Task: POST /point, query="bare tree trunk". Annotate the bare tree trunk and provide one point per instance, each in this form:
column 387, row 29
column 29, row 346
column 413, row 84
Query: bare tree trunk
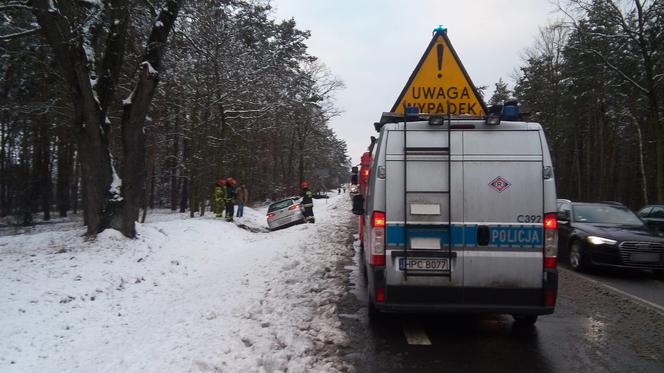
column 660, row 161
column 642, row 165
column 3, row 175
column 149, row 182
column 93, row 144
column 64, row 180
column 133, row 120
column 174, row 169
column 577, row 167
column 300, row 174
column 601, row 156
column 44, row 171
column 75, row 182
column 184, row 194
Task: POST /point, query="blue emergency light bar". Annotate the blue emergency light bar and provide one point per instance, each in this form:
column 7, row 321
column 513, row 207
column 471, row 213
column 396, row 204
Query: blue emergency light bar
column 440, row 28
column 510, row 110
column 411, row 111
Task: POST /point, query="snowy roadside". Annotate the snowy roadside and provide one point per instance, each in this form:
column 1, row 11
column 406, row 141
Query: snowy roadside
column 187, row 295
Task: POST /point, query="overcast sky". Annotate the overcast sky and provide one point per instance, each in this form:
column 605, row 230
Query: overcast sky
column 374, row 45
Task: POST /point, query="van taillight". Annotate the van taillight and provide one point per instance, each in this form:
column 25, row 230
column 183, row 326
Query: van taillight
column 550, row 221
column 550, row 240
column 377, row 238
column 378, row 219
column 550, row 262
column 378, row 259
column 380, row 295
column 550, row 298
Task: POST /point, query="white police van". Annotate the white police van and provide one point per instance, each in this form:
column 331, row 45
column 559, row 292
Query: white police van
column 460, row 217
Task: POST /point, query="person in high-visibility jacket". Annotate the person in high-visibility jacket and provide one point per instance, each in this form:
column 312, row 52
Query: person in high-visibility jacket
column 307, row 202
column 219, row 198
column 230, row 198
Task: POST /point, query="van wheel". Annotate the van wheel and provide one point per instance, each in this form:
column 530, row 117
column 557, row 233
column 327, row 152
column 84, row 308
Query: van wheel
column 659, row 273
column 525, row 320
column 363, row 266
column 374, row 315
column 576, row 258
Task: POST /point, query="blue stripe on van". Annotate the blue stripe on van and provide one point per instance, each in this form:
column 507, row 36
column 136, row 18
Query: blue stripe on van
column 508, row 235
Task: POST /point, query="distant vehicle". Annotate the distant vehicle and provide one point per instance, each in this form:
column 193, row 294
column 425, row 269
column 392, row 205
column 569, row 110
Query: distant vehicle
column 284, row 213
column 607, row 234
column 320, row 196
column 653, row 215
column 354, row 189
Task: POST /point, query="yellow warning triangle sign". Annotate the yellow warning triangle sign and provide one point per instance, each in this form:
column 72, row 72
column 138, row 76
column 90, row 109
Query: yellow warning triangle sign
column 440, row 84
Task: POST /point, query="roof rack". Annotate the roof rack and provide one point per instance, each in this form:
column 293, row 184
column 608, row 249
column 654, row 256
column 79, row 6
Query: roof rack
column 389, row 117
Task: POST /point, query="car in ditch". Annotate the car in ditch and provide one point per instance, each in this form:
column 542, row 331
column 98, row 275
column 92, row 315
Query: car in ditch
column 607, row 234
column 285, row 213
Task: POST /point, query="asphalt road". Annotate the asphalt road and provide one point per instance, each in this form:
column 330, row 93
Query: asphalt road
column 642, row 284
column 594, row 329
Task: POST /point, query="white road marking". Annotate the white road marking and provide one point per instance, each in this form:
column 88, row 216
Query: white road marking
column 659, row 309
column 415, row 335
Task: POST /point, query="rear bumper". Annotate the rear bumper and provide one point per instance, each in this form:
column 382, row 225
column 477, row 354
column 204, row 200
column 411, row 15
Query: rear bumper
column 464, row 309
column 464, row 300
column 471, row 300
column 284, row 222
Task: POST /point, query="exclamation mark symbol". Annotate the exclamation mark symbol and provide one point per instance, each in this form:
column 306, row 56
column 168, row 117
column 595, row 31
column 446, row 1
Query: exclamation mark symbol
column 440, row 60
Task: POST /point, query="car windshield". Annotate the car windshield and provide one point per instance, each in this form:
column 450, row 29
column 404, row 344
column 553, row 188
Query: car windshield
column 280, row 205
column 604, row 214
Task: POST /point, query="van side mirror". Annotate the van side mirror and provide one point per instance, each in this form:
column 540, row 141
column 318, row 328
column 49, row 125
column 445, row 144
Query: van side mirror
column 358, row 204
column 354, row 176
column 562, row 215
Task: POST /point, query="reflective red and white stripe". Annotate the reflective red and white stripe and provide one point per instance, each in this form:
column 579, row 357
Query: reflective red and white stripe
column 377, row 239
column 550, row 240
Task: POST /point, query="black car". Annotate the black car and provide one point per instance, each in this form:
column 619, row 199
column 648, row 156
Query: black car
column 607, row 234
column 653, row 215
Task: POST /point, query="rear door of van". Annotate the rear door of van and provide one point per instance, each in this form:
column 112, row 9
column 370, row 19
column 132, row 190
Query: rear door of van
column 426, row 203
column 503, row 206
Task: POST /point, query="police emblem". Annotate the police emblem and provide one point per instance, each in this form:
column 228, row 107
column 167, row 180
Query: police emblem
column 499, row 184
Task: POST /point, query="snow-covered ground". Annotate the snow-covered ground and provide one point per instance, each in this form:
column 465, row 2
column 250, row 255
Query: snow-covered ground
column 189, row 294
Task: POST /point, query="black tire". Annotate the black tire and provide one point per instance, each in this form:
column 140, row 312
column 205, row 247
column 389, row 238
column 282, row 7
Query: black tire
column 363, row 265
column 375, row 316
column 577, row 259
column 659, row 273
column 525, row 320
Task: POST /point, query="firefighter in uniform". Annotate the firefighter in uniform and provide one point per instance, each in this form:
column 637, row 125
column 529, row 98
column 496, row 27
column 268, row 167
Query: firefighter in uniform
column 230, row 198
column 219, row 198
column 307, row 202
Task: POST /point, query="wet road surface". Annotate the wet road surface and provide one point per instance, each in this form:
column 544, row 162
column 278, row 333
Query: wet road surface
column 592, row 330
column 643, row 284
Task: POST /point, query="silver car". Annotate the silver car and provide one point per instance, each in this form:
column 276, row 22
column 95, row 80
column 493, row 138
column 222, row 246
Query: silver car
column 284, row 213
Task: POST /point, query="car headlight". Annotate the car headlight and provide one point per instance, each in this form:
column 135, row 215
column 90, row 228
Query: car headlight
column 601, row 241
